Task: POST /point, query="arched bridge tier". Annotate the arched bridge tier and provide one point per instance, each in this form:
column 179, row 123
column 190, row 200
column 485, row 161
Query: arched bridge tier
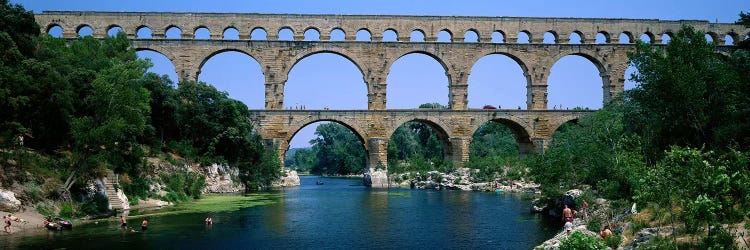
column 375, row 56
column 532, row 129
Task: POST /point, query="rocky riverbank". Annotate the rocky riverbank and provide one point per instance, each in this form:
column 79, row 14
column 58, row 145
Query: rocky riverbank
column 461, row 179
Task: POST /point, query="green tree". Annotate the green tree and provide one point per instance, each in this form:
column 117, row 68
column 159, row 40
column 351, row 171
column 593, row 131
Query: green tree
column 685, row 96
column 597, row 151
column 109, row 136
column 338, row 151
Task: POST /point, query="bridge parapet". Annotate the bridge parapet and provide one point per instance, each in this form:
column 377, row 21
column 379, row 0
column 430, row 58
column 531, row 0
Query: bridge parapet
column 403, row 25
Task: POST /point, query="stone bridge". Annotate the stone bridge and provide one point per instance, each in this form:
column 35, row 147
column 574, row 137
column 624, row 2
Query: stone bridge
column 374, row 42
column 532, row 129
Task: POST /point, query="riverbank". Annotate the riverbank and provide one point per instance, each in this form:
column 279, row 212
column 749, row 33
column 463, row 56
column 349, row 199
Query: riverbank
column 32, row 221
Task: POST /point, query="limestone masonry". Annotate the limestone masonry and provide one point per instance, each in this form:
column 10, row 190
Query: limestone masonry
column 258, row 38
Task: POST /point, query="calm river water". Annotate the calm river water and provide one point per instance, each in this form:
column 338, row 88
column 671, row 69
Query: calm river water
column 342, row 214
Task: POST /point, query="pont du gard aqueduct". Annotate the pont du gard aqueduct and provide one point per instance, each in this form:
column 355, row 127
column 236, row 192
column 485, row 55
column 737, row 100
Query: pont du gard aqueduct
column 603, row 41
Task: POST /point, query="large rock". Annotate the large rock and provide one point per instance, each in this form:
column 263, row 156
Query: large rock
column 376, row 179
column 554, row 242
column 220, row 179
column 8, row 201
column 290, row 179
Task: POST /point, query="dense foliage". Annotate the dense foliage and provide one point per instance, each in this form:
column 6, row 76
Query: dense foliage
column 494, row 151
column 677, row 143
column 90, row 103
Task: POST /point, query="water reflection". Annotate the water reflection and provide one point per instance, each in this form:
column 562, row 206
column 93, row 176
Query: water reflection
column 339, row 214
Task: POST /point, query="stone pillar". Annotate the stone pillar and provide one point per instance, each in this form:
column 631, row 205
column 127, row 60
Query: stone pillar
column 536, row 38
column 271, row 35
column 485, row 39
column 216, row 36
column 511, row 38
column 101, row 35
column 158, row 35
column 431, row 39
column 187, row 35
column 458, row 96
column 376, row 37
column 459, row 150
column 541, row 144
column 526, row 148
column 352, row 37
column 376, row 89
column 536, row 92
column 376, row 174
column 186, row 71
column 275, row 89
column 299, row 37
column 326, row 37
column 458, row 89
column 244, row 36
column 70, row 33
column 614, row 79
column 276, row 144
column 376, row 96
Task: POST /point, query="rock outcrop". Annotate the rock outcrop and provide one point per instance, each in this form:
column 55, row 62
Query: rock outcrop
column 8, row 201
column 461, row 179
column 222, row 179
column 288, row 179
column 554, row 242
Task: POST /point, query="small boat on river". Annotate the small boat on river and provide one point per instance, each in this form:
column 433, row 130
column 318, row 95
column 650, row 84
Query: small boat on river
column 319, row 182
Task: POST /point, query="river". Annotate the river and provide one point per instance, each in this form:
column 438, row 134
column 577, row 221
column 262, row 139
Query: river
column 341, row 214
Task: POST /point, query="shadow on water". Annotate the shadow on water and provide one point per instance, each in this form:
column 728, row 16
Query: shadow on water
column 339, row 214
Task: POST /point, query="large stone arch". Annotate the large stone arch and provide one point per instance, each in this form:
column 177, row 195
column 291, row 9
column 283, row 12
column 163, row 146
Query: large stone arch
column 165, row 52
column 512, row 56
column 444, row 135
column 294, row 129
column 437, row 58
column 605, row 71
column 520, row 130
column 313, row 51
column 204, row 58
column 555, row 124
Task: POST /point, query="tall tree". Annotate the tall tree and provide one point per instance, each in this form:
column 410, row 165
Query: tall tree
column 685, row 92
column 338, row 151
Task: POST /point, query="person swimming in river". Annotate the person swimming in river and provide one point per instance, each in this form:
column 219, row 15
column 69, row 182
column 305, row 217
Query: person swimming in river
column 144, row 224
column 209, row 220
column 124, row 223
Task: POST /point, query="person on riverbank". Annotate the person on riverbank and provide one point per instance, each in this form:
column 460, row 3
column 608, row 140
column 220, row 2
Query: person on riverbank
column 568, row 227
column 567, row 214
column 144, row 225
column 123, row 222
column 584, row 209
column 7, row 224
column 605, row 232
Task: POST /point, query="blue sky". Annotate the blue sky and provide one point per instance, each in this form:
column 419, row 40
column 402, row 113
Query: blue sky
column 413, row 79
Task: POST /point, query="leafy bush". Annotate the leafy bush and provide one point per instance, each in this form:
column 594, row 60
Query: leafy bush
column 718, row 239
column 578, row 240
column 613, row 241
column 595, row 224
column 67, row 210
column 138, row 188
column 95, row 205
